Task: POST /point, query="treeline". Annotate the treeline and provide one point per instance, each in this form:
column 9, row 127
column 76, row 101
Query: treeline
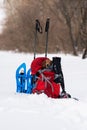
column 68, row 25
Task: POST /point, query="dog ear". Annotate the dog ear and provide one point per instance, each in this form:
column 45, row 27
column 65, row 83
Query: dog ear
column 44, row 64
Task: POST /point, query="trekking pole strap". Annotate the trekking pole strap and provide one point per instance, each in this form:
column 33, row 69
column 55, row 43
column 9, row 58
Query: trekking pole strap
column 38, row 26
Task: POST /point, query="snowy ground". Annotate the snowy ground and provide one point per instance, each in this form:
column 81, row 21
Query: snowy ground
column 38, row 112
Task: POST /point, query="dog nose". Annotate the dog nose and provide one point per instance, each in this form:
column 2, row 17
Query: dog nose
column 47, row 65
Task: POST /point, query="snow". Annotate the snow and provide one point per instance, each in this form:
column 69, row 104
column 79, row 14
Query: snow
column 38, row 112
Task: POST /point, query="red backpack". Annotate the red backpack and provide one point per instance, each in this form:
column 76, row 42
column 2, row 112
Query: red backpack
column 45, row 80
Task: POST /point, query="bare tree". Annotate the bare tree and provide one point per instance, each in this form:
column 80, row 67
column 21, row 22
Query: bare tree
column 67, row 11
column 20, row 25
column 73, row 16
column 83, row 26
column 68, row 24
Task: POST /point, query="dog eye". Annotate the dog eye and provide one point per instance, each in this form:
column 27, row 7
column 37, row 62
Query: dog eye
column 47, row 65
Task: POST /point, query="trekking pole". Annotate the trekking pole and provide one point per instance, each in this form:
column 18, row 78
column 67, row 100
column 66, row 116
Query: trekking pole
column 46, row 30
column 38, row 28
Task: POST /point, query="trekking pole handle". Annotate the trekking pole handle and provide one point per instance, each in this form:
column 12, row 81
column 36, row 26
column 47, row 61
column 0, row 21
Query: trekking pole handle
column 46, row 30
column 37, row 24
column 47, row 25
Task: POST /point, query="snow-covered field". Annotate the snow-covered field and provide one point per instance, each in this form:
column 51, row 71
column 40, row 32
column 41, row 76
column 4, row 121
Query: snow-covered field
column 38, row 112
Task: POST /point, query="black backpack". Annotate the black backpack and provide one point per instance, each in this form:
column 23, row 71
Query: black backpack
column 59, row 78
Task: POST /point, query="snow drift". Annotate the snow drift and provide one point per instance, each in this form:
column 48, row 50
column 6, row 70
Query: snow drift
column 38, row 112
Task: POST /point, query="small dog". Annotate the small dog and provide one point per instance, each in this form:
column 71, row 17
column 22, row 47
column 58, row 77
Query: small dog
column 47, row 63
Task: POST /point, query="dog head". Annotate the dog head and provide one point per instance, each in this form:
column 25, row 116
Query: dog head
column 47, row 63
